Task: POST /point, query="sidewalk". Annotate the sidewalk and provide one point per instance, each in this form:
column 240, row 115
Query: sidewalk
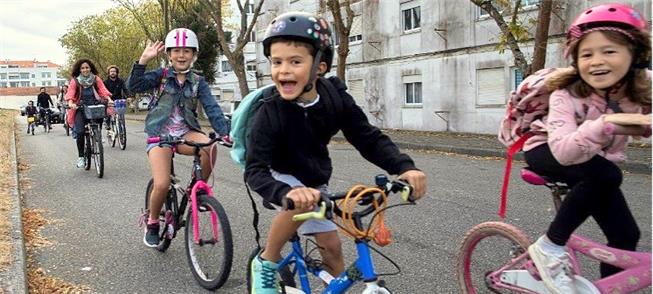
column 639, row 154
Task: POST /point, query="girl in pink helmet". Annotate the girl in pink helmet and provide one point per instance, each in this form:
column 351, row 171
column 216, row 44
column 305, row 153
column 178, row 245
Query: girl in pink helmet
column 586, row 132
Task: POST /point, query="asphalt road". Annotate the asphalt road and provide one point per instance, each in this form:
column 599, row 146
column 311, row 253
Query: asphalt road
column 98, row 242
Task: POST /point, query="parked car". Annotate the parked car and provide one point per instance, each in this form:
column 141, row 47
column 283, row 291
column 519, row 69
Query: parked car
column 143, row 103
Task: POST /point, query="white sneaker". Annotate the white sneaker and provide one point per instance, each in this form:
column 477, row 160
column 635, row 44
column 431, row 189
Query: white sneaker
column 554, row 269
column 81, row 162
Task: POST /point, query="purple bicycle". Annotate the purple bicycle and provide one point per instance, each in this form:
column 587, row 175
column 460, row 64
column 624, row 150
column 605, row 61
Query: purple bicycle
column 209, row 246
column 493, row 256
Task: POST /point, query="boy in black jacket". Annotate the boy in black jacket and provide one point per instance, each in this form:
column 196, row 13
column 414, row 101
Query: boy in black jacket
column 287, row 148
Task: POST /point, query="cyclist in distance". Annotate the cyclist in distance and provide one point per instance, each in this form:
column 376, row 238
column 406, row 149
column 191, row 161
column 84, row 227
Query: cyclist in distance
column 116, row 86
column 610, row 49
column 87, row 88
column 293, row 161
column 173, row 113
column 43, row 102
column 30, row 111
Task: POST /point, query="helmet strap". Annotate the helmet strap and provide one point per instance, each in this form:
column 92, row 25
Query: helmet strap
column 313, row 77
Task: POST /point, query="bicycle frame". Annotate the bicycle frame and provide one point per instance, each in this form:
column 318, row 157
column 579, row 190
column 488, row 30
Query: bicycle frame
column 361, row 269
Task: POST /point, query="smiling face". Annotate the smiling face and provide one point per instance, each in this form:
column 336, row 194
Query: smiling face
column 181, row 58
column 602, row 62
column 85, row 69
column 291, row 69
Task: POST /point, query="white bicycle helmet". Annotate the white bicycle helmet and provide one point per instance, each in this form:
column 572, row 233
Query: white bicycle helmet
column 182, row 38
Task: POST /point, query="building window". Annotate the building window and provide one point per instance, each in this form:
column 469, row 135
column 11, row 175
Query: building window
column 356, row 32
column 13, row 84
column 3, row 76
column 525, row 5
column 251, row 67
column 33, row 76
column 14, row 76
column 252, row 36
column 411, row 18
column 413, row 93
column 249, row 8
column 13, row 66
column 517, row 76
column 226, row 67
column 3, row 84
column 334, row 33
column 24, row 75
column 42, row 66
column 24, row 84
column 490, row 87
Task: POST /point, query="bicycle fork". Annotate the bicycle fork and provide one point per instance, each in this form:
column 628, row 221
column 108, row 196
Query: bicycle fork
column 201, row 185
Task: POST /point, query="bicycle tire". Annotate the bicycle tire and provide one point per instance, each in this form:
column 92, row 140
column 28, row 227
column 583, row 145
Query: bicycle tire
column 98, row 151
column 115, row 132
column 87, row 150
column 221, row 265
column 285, row 274
column 122, row 131
column 164, row 242
column 518, row 240
column 33, row 127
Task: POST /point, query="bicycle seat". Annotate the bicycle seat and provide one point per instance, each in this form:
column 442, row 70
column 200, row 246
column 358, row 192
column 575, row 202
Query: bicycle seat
column 532, row 178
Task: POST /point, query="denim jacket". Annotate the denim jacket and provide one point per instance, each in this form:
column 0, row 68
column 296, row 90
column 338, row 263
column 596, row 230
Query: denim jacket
column 173, row 94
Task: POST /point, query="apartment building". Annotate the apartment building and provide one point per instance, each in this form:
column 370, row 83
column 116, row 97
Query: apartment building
column 29, row 73
column 432, row 65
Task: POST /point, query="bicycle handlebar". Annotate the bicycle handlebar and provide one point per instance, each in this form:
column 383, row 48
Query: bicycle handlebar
column 172, row 140
column 328, row 206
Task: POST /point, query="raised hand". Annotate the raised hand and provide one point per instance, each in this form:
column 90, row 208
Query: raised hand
column 151, row 51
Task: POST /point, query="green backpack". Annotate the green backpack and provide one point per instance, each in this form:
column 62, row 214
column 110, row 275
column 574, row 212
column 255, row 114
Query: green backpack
column 242, row 118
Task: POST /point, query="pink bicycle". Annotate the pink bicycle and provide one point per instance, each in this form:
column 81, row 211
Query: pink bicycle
column 493, row 256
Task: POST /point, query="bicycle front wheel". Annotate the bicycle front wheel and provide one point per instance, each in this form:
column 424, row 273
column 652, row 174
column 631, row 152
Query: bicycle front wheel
column 485, row 249
column 122, row 131
column 98, row 151
column 88, row 149
column 113, row 135
column 210, row 258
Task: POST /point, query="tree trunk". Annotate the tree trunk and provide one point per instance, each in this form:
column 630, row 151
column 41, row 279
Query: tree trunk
column 541, row 36
column 342, row 29
column 238, row 65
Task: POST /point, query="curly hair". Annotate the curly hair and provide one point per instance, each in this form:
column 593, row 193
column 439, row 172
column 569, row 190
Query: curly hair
column 113, row 66
column 638, row 85
column 76, row 69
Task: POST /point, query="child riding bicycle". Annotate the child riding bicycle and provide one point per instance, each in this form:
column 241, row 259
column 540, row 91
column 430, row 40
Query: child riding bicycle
column 30, row 111
column 287, row 152
column 174, row 113
column 595, row 107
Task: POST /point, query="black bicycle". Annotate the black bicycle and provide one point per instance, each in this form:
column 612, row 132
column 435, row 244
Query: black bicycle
column 44, row 118
column 209, row 247
column 93, row 148
column 118, row 131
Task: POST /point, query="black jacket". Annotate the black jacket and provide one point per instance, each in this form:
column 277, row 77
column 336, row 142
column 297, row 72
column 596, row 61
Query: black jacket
column 117, row 88
column 293, row 140
column 44, row 100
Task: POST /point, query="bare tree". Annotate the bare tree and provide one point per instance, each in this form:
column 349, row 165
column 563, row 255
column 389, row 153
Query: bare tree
column 513, row 33
column 342, row 29
column 235, row 56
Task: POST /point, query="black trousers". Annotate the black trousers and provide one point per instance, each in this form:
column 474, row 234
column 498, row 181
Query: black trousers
column 78, row 128
column 595, row 191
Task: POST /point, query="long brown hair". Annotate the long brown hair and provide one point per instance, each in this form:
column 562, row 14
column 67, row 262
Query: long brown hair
column 638, row 84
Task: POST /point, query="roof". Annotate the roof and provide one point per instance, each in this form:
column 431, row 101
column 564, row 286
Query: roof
column 28, row 63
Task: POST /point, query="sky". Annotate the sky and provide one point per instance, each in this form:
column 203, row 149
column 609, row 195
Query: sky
column 31, row 29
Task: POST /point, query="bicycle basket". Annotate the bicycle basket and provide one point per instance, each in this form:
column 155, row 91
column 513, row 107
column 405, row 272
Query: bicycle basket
column 120, row 107
column 95, row 111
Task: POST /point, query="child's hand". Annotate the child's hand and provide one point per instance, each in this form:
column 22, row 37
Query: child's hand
column 417, row 179
column 151, row 51
column 304, row 198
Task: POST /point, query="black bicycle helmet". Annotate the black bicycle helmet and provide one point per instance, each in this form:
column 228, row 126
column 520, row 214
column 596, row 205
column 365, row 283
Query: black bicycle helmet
column 304, row 27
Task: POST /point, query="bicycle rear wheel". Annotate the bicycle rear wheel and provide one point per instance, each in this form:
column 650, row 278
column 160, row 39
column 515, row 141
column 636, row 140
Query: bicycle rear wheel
column 98, row 151
column 210, row 260
column 168, row 231
column 122, row 131
column 486, row 248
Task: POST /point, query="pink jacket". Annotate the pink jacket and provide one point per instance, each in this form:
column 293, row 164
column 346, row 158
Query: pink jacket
column 575, row 130
column 102, row 94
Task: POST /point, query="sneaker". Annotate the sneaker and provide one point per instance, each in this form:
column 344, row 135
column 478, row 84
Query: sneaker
column 81, row 162
column 151, row 238
column 264, row 276
column 554, row 269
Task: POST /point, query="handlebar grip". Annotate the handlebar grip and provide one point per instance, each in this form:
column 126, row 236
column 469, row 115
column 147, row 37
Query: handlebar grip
column 152, row 140
column 287, row 204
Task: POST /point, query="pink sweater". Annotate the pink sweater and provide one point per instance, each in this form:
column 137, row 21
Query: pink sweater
column 575, row 130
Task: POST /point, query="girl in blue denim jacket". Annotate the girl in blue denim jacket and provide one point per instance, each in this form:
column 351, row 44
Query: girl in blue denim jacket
column 174, row 113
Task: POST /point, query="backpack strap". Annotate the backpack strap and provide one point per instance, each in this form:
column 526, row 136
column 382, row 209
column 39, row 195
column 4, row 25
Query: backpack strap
column 514, row 148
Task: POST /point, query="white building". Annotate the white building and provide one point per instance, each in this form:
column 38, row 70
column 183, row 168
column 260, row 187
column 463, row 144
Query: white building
column 33, row 73
column 432, row 65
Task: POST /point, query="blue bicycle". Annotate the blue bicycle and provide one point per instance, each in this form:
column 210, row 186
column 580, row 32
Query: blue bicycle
column 350, row 207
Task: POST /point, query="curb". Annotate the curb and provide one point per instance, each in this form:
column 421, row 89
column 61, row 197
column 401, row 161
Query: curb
column 17, row 271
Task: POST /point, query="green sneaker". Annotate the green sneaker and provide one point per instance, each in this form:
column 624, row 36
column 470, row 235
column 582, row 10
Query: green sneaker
column 264, row 276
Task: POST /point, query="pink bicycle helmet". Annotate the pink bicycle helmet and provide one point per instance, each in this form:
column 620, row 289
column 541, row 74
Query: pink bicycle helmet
column 606, row 17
